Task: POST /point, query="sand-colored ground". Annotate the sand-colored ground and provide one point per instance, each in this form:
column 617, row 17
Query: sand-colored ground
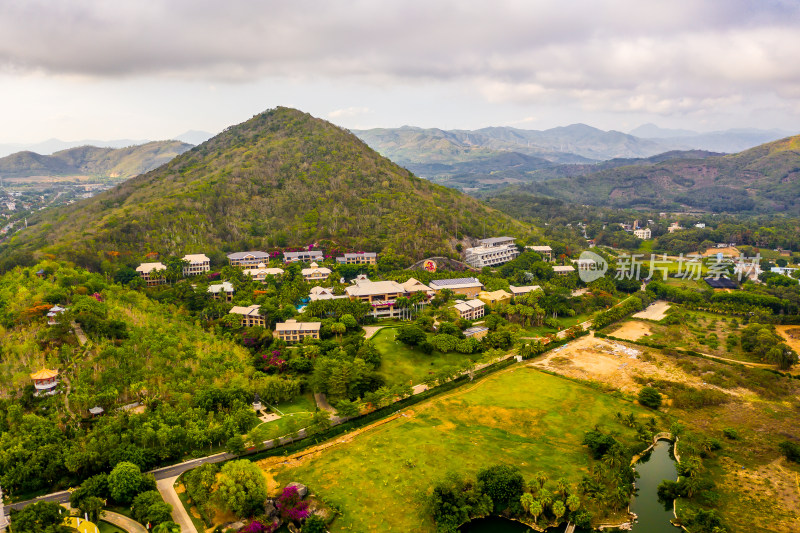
column 728, row 251
column 792, row 336
column 632, row 330
column 612, row 363
column 655, row 311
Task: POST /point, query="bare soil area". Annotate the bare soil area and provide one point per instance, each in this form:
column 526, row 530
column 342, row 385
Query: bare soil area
column 632, row 330
column 655, row 311
column 727, row 251
column 612, row 363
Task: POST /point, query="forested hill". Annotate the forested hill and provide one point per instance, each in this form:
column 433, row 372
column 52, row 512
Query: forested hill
column 282, row 178
column 93, row 161
column 764, row 179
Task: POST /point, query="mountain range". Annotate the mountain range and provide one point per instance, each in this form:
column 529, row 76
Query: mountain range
column 281, row 179
column 764, row 179
column 92, row 160
column 493, row 157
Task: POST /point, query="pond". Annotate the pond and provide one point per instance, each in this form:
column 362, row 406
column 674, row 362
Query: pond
column 654, row 516
column 658, row 465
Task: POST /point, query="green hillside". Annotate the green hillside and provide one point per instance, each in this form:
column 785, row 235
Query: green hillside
column 764, row 179
column 281, row 179
column 92, row 161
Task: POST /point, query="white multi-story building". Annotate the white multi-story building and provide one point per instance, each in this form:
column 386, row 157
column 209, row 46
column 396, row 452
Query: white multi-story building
column 198, row 263
column 642, row 233
column 491, row 252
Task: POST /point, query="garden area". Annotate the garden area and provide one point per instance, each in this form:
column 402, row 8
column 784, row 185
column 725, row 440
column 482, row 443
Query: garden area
column 520, row 417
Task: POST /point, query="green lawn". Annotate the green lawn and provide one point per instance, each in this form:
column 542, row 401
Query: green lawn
column 403, row 364
column 520, row 417
column 295, row 415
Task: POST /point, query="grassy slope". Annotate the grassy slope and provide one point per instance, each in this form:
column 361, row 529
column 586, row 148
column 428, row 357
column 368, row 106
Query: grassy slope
column 281, row 178
column 520, row 417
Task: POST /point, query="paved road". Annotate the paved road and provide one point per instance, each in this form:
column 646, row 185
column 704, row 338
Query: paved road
column 122, row 521
column 166, row 487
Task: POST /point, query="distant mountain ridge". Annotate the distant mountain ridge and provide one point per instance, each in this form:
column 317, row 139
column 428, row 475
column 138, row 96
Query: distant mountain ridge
column 764, row 179
column 727, row 141
column 281, row 179
column 92, row 160
column 51, row 146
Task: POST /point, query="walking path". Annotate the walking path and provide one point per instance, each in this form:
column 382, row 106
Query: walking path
column 370, row 331
column 166, row 487
column 123, row 522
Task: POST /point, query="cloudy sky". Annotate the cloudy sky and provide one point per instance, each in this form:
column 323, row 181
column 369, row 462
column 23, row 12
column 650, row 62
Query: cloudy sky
column 77, row 69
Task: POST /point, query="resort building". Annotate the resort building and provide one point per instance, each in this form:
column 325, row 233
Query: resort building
column 149, row 273
column 323, row 293
column 302, row 257
column 247, row 259
column 413, row 286
column 359, row 258
column 491, row 252
column 469, row 287
column 45, row 381
column 494, row 297
column 261, row 272
column 674, row 227
column 642, row 233
column 545, row 251
column 519, row 291
column 198, row 263
column 315, row 273
column 559, row 270
column 476, row 332
column 250, row 315
column 382, row 295
column 294, row 331
column 470, row 310
column 221, row 290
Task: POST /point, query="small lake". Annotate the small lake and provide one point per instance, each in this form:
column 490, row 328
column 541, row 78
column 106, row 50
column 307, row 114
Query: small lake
column 654, row 517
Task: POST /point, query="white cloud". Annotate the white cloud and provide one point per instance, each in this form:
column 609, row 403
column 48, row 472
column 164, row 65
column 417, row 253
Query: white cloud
column 348, row 112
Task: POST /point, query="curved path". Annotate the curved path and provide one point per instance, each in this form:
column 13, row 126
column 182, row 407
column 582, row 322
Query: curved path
column 123, row 522
column 166, row 487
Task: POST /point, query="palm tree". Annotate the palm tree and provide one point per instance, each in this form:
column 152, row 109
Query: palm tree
column 559, row 509
column 536, row 509
column 338, row 328
column 541, row 478
column 527, row 500
column 561, row 486
column 573, row 502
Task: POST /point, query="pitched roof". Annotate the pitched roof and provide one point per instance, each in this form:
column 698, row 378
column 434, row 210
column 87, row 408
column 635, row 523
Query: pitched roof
column 495, row 240
column 413, row 285
column 261, row 270
column 370, row 288
column 540, row 248
column 44, row 373
column 145, row 268
column 455, row 282
column 469, row 332
column 196, row 258
column 294, row 325
column 469, row 305
column 523, row 290
column 720, row 283
column 248, row 311
column 565, row 268
column 253, row 254
column 225, row 286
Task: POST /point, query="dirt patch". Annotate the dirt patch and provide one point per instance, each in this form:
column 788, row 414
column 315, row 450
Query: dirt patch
column 614, row 364
column 728, row 251
column 655, row 311
column 792, row 336
column 632, row 330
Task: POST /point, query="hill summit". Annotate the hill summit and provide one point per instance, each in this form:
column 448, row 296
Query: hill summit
column 281, row 179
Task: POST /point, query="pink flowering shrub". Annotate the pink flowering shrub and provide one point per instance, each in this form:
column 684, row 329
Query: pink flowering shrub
column 291, row 506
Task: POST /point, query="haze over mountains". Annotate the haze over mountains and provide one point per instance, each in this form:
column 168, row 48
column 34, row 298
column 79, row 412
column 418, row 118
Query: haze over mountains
column 94, row 161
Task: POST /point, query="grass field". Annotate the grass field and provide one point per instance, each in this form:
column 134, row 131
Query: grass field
column 520, row 417
column 105, row 527
column 295, row 415
column 402, row 364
